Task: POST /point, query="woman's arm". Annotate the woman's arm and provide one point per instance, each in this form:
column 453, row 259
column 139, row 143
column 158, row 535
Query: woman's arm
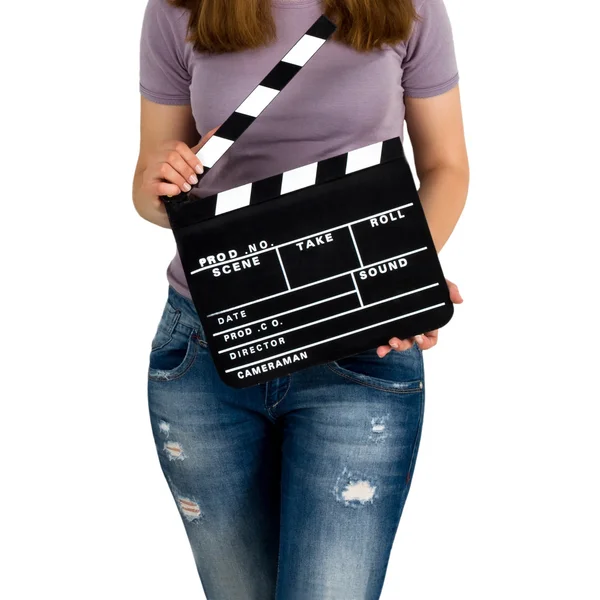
column 435, row 127
column 167, row 164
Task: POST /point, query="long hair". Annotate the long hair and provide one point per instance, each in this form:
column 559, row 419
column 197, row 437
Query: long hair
column 218, row 26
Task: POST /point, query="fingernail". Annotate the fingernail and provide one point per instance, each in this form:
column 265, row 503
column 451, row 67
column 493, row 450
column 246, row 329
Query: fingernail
column 419, row 339
column 394, row 344
column 199, row 169
column 193, row 179
column 187, row 187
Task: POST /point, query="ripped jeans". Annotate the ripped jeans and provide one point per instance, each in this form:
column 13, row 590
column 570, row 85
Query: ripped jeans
column 292, row 489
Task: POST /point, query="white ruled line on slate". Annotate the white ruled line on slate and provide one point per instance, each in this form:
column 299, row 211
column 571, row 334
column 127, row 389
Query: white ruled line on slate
column 347, row 312
column 306, row 285
column 286, row 312
column 357, row 290
column 250, row 255
column 335, row 337
column 287, row 281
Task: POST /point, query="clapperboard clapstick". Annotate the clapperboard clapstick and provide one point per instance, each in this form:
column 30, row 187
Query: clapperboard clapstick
column 311, row 265
column 263, row 94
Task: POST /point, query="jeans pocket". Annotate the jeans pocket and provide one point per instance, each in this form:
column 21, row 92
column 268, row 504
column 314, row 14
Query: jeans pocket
column 166, row 326
column 174, row 347
column 397, row 372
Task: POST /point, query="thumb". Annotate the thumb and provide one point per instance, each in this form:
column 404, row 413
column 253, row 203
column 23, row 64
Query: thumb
column 454, row 293
column 204, row 139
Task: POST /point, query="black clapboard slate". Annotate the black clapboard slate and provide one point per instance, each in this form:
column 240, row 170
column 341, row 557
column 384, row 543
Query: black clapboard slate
column 312, row 265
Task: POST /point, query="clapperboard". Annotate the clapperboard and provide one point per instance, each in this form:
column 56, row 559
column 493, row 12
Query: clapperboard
column 318, row 263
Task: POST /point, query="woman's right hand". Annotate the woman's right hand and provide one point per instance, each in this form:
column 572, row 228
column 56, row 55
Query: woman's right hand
column 173, row 168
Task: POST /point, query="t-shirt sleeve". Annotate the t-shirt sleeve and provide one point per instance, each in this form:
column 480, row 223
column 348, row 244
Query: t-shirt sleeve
column 164, row 77
column 430, row 66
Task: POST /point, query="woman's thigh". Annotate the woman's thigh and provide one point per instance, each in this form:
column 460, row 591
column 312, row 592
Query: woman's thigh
column 351, row 435
column 219, row 453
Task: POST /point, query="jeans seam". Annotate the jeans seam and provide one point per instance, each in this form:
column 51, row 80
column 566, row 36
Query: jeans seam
column 413, row 455
column 419, row 427
column 278, row 565
column 190, row 321
column 273, row 406
column 373, row 385
column 191, row 360
column 169, row 328
column 266, row 399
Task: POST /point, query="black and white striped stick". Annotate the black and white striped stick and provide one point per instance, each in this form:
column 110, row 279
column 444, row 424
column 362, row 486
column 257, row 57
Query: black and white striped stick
column 265, row 92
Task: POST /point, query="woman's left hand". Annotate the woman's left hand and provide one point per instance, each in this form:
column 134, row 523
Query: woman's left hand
column 426, row 340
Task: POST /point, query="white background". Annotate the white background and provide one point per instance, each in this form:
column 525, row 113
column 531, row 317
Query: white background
column 505, row 497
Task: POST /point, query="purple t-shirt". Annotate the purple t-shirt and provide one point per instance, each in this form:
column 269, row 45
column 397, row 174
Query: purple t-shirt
column 341, row 100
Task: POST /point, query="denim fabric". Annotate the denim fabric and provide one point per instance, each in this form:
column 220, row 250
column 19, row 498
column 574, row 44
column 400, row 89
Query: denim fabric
column 292, row 489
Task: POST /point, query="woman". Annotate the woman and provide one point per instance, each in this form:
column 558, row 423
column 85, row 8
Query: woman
column 292, row 489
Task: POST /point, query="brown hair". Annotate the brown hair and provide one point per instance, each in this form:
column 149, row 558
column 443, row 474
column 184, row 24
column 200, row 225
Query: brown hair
column 218, row 26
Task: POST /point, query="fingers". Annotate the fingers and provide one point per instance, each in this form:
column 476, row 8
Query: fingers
column 208, row 135
column 176, row 161
column 454, row 293
column 163, row 188
column 178, row 167
column 383, row 351
column 205, row 138
column 168, row 173
column 424, row 341
column 427, row 340
column 395, row 344
column 400, row 345
column 192, row 162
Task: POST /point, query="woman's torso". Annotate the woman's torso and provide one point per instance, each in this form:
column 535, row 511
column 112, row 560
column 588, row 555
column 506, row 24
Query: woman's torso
column 341, row 100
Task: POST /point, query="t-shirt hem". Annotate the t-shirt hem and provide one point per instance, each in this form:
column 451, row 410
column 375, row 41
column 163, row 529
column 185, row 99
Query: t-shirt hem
column 159, row 99
column 432, row 91
column 183, row 290
column 180, row 286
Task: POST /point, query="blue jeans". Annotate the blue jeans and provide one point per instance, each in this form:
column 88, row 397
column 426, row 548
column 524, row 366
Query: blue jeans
column 292, row 489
